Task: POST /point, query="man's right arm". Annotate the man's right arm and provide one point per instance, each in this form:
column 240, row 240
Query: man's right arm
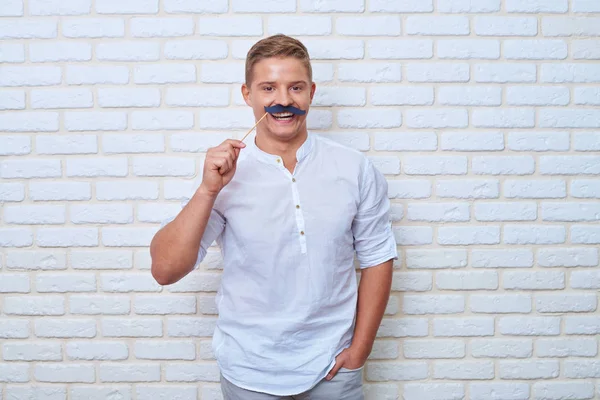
column 175, row 248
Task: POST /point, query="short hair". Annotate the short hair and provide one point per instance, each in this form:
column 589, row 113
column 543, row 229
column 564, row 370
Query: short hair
column 280, row 46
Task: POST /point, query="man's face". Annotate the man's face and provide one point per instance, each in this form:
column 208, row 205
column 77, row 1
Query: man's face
column 282, row 81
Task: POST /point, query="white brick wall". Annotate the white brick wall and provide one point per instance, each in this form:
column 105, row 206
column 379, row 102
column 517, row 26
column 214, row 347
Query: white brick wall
column 482, row 114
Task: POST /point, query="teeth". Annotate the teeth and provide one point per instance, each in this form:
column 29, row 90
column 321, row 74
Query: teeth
column 283, row 115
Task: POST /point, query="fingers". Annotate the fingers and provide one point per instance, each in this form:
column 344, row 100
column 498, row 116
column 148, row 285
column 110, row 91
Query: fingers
column 334, row 371
column 232, row 143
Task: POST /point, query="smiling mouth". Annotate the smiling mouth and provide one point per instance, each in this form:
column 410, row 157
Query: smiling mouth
column 285, row 116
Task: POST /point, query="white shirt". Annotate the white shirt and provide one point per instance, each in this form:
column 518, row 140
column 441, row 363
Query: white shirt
column 288, row 293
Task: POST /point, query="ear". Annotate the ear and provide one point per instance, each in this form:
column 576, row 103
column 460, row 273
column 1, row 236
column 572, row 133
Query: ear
column 246, row 94
column 313, row 88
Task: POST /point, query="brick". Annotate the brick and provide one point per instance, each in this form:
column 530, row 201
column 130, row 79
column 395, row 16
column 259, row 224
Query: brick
column 436, row 259
column 514, row 234
column 15, row 145
column 538, row 141
column 506, row 303
column 412, row 281
column 192, row 373
column 46, row 191
column 468, row 141
column 66, row 144
column 165, row 73
column 582, row 325
column 165, row 350
column 536, row 280
column 71, row 373
column 116, row 191
column 335, row 49
column 438, row 25
column 535, row 49
column 60, row 51
column 413, row 235
column 502, row 348
column 462, row 235
column 268, row 6
column 551, row 303
column 164, row 166
column 570, row 26
column 472, row 280
column 529, row 326
column 36, row 260
column 161, row 27
column 63, row 283
column 439, row 165
column 406, row 141
column 195, row 50
column 537, row 96
column 129, row 373
column 92, row 167
column 102, row 214
column 317, row 119
column 29, row 29
column 505, row 26
column 195, row 6
column 128, row 51
column 444, row 212
column 132, row 327
column 468, row 370
column 431, row 391
column 12, row 53
column 16, row 237
column 97, row 392
column 93, row 28
column 537, row 6
column 468, row 189
column 434, row 349
column 505, row 73
column 231, row 26
column 409, row 189
column 12, row 192
column 300, row 25
column 128, row 237
column 159, row 120
column 585, row 188
column 582, row 369
column 12, row 8
column 57, row 7
column 535, row 369
column 14, row 373
column 191, row 142
column 587, row 96
column 570, row 165
column 12, row 100
column 569, row 73
column 438, row 72
column 585, row 6
column 96, row 350
column 408, row 6
column 67, row 237
column 95, row 121
column 322, row 72
column 369, row 72
column 340, row 96
column 572, row 118
column 32, row 352
column 65, row 328
column 166, row 305
column 33, row 214
column 570, row 212
column 579, row 347
column 386, row 165
column 63, row 98
column 99, row 305
column 399, row 371
column 587, row 49
column 190, row 326
column 29, row 122
column 433, row 304
column 369, row 118
column 470, row 96
column 505, row 211
column 129, row 7
column 12, row 328
column 406, row 95
column 437, row 118
column 368, row 26
column 92, row 75
column 14, row 283
column 121, row 97
column 504, row 118
column 585, row 234
column 198, row 97
column 463, row 326
column 497, row 391
column 585, row 279
column 332, row 6
column 535, row 189
column 563, row 390
column 167, row 392
column 464, row 49
column 503, row 165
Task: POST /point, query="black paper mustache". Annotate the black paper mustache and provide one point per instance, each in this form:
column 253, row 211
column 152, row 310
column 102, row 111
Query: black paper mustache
column 279, row 108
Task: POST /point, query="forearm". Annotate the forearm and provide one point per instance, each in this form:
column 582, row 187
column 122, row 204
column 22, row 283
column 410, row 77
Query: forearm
column 174, row 249
column 373, row 295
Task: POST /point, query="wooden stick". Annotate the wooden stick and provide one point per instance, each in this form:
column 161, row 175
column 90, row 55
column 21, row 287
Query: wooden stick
column 251, row 129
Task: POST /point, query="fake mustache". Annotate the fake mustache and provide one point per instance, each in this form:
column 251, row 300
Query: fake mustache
column 279, row 109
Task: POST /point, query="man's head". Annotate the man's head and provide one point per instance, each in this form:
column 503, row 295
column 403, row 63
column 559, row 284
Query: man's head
column 278, row 72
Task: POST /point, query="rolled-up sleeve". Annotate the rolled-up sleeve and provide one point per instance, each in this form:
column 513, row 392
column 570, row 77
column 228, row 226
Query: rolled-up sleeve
column 374, row 240
column 212, row 232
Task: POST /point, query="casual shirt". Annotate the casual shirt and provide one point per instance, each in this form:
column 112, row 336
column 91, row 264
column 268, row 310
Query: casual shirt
column 288, row 293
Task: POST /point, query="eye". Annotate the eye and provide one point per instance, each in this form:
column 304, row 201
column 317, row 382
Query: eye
column 296, row 88
column 268, row 88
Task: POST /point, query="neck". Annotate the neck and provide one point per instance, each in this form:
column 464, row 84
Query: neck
column 284, row 148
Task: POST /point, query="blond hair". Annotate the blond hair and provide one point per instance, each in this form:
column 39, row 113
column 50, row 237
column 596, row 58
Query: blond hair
column 279, row 46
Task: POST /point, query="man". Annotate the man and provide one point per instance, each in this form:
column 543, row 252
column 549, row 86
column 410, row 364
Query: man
column 289, row 210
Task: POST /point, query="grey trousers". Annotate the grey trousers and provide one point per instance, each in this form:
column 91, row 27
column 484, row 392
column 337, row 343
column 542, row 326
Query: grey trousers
column 346, row 385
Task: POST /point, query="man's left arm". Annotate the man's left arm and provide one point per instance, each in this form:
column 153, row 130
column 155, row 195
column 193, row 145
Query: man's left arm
column 373, row 294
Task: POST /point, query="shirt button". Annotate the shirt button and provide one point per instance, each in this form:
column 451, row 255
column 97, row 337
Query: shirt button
column 278, row 160
column 293, row 179
column 302, row 232
column 297, row 206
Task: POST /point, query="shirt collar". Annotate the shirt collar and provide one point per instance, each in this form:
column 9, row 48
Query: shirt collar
column 275, row 159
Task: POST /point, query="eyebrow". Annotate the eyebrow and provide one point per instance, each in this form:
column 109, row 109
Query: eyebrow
column 292, row 83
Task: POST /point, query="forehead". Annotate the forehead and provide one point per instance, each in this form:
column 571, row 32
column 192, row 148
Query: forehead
column 280, row 69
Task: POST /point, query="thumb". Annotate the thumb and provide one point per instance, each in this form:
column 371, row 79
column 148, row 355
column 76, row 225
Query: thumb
column 334, row 371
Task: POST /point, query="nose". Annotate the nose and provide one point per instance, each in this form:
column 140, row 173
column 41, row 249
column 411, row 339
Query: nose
column 283, row 97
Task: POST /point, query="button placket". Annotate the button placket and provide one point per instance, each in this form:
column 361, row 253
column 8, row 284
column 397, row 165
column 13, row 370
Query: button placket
column 299, row 216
